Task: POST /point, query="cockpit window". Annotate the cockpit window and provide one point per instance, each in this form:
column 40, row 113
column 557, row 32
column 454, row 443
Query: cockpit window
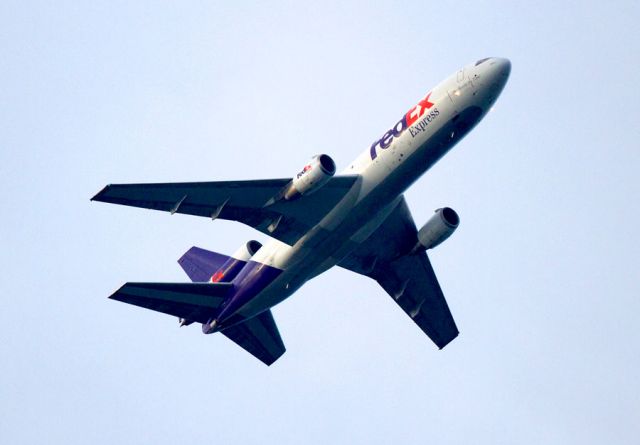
column 482, row 60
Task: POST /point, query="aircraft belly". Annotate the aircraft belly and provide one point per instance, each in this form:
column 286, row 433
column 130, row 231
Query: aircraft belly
column 317, row 252
column 276, row 292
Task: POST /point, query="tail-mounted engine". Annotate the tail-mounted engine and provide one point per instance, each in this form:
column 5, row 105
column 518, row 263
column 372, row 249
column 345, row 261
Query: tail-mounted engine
column 230, row 268
column 439, row 227
column 312, row 177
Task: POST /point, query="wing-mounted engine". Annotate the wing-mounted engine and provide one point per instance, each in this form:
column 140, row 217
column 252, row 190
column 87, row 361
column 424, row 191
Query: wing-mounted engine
column 439, row 227
column 312, row 177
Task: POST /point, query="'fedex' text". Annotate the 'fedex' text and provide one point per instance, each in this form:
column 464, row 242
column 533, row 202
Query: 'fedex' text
column 412, row 116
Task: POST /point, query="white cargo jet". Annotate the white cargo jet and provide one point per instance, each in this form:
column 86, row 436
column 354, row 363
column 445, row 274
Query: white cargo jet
column 357, row 220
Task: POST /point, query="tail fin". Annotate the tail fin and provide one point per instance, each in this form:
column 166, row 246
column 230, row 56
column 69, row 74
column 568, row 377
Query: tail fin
column 259, row 336
column 201, row 264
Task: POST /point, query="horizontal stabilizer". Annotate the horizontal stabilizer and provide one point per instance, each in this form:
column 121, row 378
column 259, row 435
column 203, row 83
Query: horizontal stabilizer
column 259, row 336
column 190, row 301
column 201, row 264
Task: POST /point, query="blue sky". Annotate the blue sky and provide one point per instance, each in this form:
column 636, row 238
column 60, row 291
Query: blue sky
column 541, row 276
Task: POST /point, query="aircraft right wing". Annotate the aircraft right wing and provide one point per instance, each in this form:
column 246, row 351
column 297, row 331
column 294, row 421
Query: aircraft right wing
column 248, row 202
column 408, row 278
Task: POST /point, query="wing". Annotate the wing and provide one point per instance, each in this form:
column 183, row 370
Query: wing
column 259, row 336
column 191, row 301
column 243, row 201
column 408, row 278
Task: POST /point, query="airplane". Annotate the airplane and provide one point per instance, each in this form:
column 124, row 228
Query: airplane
column 358, row 220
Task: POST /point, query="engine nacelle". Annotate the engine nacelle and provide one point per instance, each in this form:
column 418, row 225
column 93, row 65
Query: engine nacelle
column 232, row 267
column 439, row 227
column 247, row 250
column 313, row 176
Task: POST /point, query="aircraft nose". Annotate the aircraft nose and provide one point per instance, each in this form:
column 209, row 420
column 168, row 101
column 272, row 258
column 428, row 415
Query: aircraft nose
column 497, row 71
column 502, row 68
column 494, row 74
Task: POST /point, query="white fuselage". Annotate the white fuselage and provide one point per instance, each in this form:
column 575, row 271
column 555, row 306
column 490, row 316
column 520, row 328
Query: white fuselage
column 385, row 170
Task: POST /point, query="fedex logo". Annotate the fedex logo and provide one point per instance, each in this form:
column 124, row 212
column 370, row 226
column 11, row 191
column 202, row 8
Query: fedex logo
column 217, row 277
column 304, row 170
column 407, row 121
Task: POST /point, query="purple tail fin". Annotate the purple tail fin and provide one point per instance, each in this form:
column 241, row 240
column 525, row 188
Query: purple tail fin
column 201, row 264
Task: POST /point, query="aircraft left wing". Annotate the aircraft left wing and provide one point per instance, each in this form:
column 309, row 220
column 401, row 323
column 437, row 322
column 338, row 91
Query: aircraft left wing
column 247, row 202
column 408, row 278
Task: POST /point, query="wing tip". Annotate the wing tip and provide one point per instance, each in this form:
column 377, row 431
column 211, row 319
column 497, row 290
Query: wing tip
column 274, row 359
column 98, row 196
column 442, row 344
column 116, row 294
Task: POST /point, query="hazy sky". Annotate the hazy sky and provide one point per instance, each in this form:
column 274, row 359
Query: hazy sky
column 541, row 276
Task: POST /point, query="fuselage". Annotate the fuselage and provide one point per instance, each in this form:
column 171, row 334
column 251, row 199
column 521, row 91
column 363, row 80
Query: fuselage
column 385, row 170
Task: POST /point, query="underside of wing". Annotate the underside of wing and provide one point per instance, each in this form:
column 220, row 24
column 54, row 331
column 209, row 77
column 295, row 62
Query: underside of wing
column 407, row 277
column 190, row 301
column 259, row 336
column 412, row 283
column 248, row 202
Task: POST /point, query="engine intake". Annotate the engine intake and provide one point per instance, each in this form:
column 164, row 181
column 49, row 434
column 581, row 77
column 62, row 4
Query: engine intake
column 439, row 227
